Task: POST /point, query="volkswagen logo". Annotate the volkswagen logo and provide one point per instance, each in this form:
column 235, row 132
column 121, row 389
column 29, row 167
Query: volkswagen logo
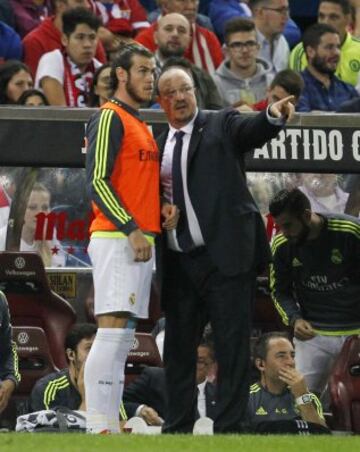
column 135, row 344
column 23, row 338
column 19, row 262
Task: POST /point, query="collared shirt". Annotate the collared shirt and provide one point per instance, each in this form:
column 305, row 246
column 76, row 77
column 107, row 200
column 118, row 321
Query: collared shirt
column 201, row 401
column 316, row 96
column 166, row 181
column 276, row 52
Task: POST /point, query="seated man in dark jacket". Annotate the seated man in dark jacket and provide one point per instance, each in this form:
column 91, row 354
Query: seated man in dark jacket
column 281, row 395
column 9, row 371
column 66, row 387
column 145, row 396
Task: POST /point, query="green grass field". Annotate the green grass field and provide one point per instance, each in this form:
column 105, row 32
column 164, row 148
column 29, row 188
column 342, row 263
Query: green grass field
column 41, row 442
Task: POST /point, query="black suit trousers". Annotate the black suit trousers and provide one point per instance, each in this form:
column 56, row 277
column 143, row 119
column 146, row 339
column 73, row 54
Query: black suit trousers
column 194, row 292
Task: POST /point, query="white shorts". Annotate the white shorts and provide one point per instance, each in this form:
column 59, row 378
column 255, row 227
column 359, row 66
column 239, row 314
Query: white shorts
column 315, row 358
column 120, row 283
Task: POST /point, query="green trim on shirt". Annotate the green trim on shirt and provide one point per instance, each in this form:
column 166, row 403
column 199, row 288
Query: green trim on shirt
column 119, row 235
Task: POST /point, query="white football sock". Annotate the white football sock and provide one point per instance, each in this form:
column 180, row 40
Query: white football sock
column 103, row 376
column 127, row 342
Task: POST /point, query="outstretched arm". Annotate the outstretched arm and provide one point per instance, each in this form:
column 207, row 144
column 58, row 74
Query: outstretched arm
column 250, row 132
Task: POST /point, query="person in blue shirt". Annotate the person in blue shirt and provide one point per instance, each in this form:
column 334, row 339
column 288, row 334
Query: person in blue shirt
column 10, row 43
column 149, row 5
column 220, row 11
column 174, row 6
column 323, row 91
column 304, row 12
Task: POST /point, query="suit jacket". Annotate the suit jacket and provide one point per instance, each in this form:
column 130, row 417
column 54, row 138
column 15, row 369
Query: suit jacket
column 149, row 389
column 228, row 216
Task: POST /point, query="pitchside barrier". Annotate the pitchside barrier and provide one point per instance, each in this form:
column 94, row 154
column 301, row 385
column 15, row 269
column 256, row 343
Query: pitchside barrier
column 54, row 137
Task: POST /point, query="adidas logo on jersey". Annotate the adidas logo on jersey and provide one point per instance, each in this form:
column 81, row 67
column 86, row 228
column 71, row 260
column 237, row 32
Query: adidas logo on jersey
column 296, row 262
column 261, row 412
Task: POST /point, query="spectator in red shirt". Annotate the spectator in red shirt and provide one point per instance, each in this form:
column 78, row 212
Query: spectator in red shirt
column 124, row 17
column 204, row 49
column 47, row 36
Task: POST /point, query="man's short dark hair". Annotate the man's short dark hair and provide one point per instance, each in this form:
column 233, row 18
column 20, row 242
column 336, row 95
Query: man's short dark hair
column 176, row 61
column 312, row 35
column 291, row 81
column 291, row 201
column 79, row 332
column 345, row 5
column 73, row 17
column 238, row 25
column 255, row 3
column 261, row 348
column 180, row 62
column 124, row 59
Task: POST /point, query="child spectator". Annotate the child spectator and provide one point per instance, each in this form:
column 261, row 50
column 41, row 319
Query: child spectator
column 33, row 98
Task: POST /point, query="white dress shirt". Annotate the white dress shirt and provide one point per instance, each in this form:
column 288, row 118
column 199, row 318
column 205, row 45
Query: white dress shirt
column 166, row 181
column 201, row 401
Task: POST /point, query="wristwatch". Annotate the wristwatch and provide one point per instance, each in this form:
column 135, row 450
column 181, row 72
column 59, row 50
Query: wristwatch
column 304, row 399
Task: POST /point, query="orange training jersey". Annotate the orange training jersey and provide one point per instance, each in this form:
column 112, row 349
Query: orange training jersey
column 122, row 171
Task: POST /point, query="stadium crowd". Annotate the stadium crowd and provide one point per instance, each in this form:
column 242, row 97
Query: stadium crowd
column 232, row 57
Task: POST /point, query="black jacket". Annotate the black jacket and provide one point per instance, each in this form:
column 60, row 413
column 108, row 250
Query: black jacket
column 9, row 361
column 149, row 389
column 229, row 219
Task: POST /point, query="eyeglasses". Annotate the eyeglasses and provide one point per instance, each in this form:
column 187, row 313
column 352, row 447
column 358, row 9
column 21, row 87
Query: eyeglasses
column 237, row 45
column 284, row 11
column 184, row 91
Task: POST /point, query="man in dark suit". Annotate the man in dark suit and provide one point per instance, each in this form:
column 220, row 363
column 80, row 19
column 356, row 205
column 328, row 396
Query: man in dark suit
column 209, row 264
column 146, row 396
